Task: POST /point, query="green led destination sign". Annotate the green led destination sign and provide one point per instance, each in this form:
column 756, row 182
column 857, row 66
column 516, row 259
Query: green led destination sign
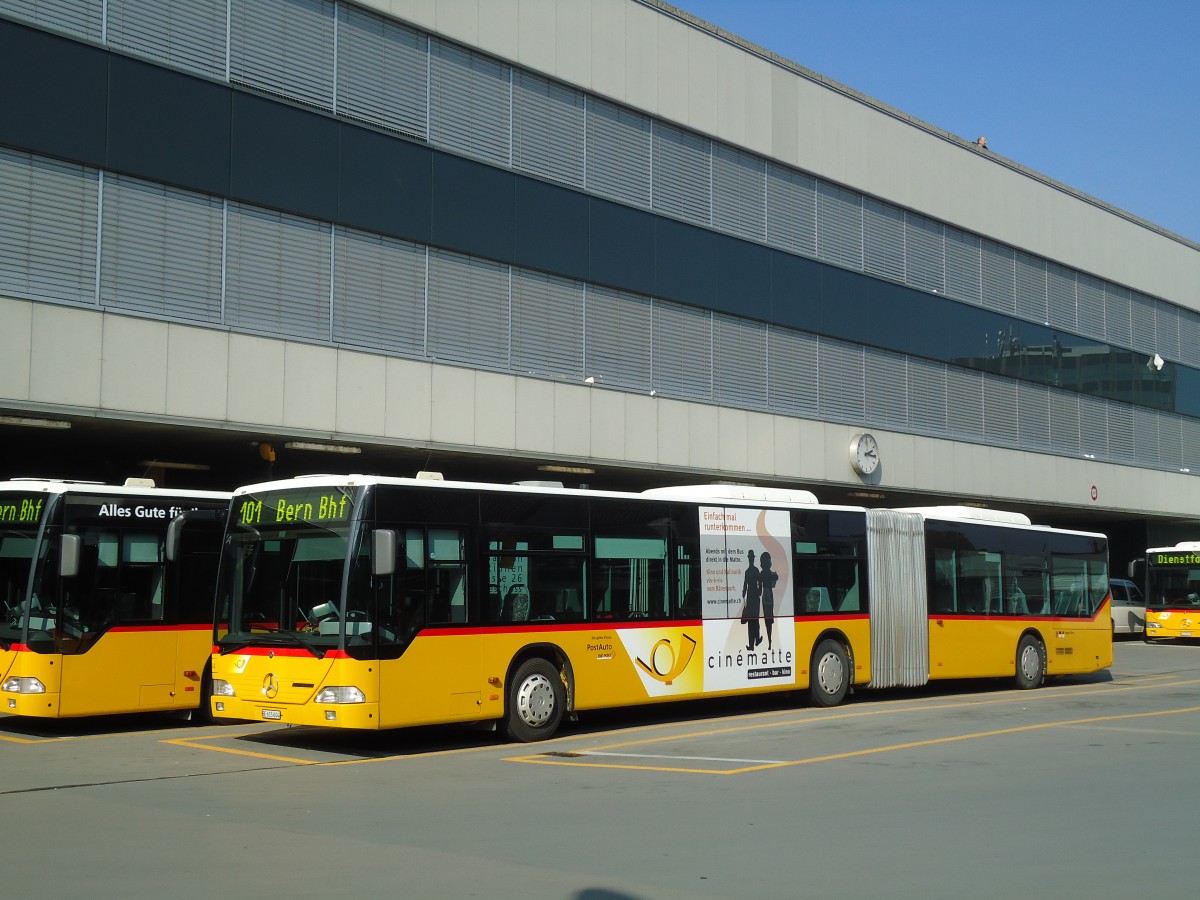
column 1188, row 558
column 325, row 506
column 22, row 510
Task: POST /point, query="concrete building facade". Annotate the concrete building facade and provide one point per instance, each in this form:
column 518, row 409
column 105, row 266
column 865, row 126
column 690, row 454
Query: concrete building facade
column 601, row 236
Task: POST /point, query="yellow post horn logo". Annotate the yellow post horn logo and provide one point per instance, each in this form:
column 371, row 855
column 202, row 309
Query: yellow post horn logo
column 678, row 661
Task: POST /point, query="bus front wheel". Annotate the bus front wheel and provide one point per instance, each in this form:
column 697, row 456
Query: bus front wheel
column 1031, row 662
column 536, row 697
column 830, row 673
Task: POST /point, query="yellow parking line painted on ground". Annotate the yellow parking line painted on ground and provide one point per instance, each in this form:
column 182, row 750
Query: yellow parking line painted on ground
column 747, row 722
column 13, row 739
column 580, row 758
column 195, row 744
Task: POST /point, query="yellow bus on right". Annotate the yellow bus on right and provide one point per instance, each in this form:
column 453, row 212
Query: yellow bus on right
column 1173, row 592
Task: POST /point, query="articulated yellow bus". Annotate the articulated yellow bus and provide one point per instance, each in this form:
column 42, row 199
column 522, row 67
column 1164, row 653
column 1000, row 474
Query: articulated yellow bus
column 96, row 618
column 1173, row 592
column 368, row 602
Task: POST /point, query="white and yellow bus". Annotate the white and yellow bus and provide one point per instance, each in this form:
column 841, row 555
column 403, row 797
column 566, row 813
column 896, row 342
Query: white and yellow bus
column 1173, row 592
column 96, row 618
column 369, row 602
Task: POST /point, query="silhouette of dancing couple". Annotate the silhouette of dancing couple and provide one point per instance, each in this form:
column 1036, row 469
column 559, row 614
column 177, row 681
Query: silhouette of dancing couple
column 758, row 592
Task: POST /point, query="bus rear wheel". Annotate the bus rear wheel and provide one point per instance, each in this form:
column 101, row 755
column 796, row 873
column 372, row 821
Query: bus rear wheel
column 830, row 673
column 1031, row 662
column 536, row 697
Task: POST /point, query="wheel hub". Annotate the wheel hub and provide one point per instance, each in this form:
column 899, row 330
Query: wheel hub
column 535, row 700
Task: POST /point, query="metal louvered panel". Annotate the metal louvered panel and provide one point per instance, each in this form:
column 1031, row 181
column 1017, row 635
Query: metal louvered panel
column 1033, row 416
column 842, row 381
column 740, row 362
column 739, row 192
column 379, row 293
column 277, row 273
column 285, row 46
column 964, row 277
column 964, row 404
column 1189, row 338
column 618, row 152
column 1061, row 300
column 1000, row 411
column 617, row 348
column 468, row 310
column 883, row 239
column 469, row 103
column 1144, row 321
column 47, row 228
column 1090, row 294
column 927, row 396
column 925, row 253
column 887, row 392
column 1166, row 329
column 1031, row 287
column 548, row 120
column 682, row 350
column 1170, row 440
column 999, row 277
column 839, row 226
column 189, row 34
column 1093, row 427
column 791, row 210
column 82, row 17
column 682, row 167
column 792, row 379
column 896, row 586
column 547, row 325
column 382, row 72
column 1117, row 316
column 161, row 251
column 1146, row 451
column 1121, row 446
column 1065, row 424
column 1190, row 433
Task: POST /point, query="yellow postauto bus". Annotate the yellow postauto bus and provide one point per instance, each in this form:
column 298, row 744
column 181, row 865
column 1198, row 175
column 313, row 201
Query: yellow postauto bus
column 1173, row 592
column 369, row 602
column 96, row 618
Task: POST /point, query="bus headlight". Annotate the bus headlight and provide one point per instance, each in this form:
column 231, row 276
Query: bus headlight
column 24, row 685
column 341, row 695
column 222, row 688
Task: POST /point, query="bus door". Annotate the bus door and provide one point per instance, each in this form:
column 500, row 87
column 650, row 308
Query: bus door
column 422, row 607
column 191, row 580
column 118, row 654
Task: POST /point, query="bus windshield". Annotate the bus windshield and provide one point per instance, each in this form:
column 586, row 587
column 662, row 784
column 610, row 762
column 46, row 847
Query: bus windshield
column 20, row 518
column 283, row 571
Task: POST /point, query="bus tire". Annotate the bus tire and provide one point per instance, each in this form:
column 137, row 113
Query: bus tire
column 830, row 673
column 1031, row 662
column 536, row 698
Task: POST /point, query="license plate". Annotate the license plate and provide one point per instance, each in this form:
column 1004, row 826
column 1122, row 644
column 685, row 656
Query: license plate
column 272, row 714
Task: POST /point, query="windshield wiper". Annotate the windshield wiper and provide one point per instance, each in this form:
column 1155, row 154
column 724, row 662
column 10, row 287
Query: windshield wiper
column 269, row 639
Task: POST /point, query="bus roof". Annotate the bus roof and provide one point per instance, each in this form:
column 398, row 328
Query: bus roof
column 698, row 493
column 64, row 486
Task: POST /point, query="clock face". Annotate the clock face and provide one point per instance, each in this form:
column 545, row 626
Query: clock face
column 864, row 454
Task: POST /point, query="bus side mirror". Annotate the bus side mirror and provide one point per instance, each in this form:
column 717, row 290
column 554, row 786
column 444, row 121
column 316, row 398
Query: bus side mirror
column 383, row 551
column 175, row 529
column 174, row 535
column 68, row 555
column 1136, row 570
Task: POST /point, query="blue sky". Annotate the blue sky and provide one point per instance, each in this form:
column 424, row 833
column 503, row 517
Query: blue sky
column 1102, row 95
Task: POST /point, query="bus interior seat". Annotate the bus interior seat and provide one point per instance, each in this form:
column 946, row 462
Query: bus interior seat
column 516, row 605
column 818, row 600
